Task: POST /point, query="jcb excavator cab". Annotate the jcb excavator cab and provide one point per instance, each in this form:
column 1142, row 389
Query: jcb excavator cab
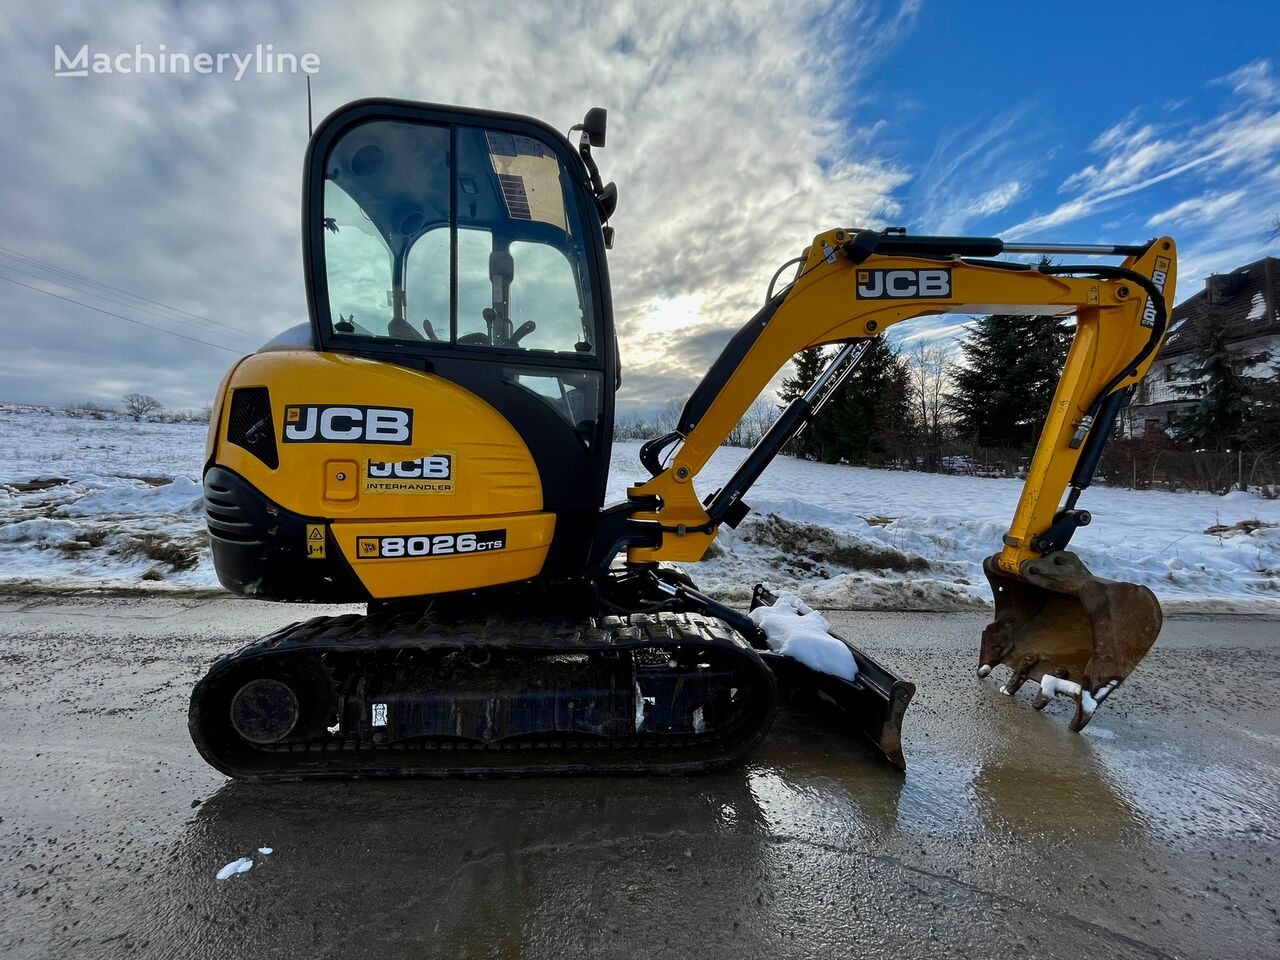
column 469, row 245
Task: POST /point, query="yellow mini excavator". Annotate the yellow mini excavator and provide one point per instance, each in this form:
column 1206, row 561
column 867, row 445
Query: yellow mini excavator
column 435, row 444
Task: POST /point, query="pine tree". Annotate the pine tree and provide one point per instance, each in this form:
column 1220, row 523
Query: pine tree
column 1263, row 432
column 1221, row 418
column 1003, row 388
column 809, row 365
column 872, row 420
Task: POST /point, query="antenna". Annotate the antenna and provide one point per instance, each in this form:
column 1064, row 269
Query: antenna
column 310, row 127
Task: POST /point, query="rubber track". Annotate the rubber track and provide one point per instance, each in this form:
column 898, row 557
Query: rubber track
column 322, row 638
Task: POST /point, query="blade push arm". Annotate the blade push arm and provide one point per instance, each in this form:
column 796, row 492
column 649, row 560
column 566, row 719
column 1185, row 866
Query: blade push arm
column 854, row 286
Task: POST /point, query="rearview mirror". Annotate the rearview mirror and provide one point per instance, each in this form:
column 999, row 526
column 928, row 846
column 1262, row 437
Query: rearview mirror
column 608, row 200
column 594, row 124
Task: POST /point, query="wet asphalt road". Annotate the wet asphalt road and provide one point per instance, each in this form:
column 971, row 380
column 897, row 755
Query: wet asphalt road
column 1154, row 834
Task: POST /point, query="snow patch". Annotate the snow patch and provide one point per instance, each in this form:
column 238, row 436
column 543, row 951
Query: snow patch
column 113, row 503
column 40, row 530
column 235, row 867
column 1051, row 686
column 179, row 495
column 266, row 851
column 1257, row 307
column 794, row 629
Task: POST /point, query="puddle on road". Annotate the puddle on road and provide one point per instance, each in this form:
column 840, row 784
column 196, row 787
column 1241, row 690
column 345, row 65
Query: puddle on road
column 1010, row 772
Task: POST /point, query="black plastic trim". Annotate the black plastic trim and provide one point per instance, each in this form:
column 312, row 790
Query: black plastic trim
column 259, row 547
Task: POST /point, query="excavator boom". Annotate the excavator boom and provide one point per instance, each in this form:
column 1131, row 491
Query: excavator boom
column 1055, row 622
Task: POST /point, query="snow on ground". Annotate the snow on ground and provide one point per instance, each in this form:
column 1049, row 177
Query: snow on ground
column 100, row 502
column 114, row 503
column 852, row 537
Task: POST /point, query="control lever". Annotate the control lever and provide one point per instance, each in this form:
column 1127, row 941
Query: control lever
column 521, row 332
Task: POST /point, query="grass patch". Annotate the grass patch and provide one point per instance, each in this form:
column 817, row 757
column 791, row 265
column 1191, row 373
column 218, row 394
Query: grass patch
column 86, row 540
column 163, row 549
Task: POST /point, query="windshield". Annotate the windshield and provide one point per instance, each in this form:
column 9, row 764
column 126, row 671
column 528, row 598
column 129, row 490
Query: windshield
column 457, row 235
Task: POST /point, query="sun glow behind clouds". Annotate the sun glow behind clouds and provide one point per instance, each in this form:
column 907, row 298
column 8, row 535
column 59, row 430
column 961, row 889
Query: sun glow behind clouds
column 669, row 314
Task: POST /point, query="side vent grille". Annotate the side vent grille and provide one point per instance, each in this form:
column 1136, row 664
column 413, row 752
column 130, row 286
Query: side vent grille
column 249, row 424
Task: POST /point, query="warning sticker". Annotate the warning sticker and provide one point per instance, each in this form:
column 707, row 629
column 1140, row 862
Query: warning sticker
column 315, row 541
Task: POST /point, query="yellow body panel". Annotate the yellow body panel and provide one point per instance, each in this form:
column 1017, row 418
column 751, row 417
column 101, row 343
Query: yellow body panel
column 382, row 492
column 493, row 471
column 525, row 539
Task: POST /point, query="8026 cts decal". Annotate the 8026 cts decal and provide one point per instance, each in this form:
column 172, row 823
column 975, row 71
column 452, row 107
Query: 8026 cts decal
column 429, row 545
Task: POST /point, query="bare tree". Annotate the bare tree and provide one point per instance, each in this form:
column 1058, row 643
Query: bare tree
column 760, row 418
column 139, row 405
column 930, row 365
column 670, row 415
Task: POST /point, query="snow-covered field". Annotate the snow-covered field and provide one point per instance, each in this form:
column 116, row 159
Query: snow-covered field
column 112, row 503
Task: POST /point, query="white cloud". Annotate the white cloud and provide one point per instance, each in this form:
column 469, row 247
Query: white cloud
column 996, row 199
column 1253, row 80
column 1197, row 209
column 724, row 139
column 1240, row 145
column 975, row 170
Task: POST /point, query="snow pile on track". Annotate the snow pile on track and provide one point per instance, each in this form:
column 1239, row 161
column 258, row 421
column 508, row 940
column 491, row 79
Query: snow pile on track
column 794, row 629
column 114, row 503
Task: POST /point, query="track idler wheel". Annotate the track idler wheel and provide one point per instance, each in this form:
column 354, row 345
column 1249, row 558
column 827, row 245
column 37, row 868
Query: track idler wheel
column 1075, row 634
column 264, row 710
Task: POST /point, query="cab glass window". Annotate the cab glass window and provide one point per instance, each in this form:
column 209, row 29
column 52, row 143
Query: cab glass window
column 454, row 236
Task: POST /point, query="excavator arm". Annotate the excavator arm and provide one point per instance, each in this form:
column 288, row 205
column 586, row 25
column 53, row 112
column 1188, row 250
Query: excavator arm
column 1055, row 623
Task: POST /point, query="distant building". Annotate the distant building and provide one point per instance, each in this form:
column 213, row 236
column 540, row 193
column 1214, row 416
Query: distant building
column 1249, row 299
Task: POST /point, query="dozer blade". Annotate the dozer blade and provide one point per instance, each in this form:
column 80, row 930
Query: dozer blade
column 1075, row 634
column 871, row 705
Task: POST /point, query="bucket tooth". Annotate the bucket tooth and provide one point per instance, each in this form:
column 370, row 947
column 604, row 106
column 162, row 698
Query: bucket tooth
column 1019, row 676
column 1075, row 634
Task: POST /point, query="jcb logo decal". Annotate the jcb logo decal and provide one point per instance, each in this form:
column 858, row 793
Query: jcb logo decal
column 427, row 474
column 904, row 284
column 438, row 467
column 325, row 423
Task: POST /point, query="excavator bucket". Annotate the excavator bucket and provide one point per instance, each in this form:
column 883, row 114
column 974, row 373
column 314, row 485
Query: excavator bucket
column 1075, row 634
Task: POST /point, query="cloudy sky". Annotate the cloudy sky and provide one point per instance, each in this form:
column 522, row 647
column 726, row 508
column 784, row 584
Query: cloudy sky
column 737, row 132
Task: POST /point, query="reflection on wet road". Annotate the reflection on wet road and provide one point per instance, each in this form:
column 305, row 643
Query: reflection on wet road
column 1154, row 834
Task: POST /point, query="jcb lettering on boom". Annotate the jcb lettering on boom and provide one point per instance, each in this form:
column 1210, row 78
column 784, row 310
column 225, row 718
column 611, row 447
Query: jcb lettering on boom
column 1159, row 276
column 901, row 284
column 334, row 423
